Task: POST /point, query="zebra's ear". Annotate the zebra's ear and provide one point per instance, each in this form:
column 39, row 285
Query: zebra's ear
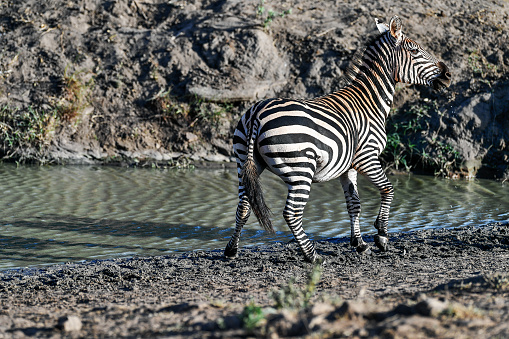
column 382, row 27
column 395, row 27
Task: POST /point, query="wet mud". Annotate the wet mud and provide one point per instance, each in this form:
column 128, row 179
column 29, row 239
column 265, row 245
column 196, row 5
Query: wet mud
column 445, row 283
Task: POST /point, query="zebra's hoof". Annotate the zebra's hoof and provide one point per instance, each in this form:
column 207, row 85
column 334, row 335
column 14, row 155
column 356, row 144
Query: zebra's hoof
column 230, row 253
column 381, row 242
column 318, row 260
column 363, row 249
column 312, row 259
column 356, row 241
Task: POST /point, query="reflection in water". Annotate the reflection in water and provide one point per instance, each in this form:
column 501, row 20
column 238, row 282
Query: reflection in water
column 59, row 214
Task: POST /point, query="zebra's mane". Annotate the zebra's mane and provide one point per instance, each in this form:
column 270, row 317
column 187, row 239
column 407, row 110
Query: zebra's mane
column 354, row 66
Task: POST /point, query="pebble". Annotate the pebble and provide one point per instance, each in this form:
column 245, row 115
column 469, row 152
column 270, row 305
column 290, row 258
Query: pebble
column 70, row 323
column 430, row 307
column 350, row 309
column 321, row 308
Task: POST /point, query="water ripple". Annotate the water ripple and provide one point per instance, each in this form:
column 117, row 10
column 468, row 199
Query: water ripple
column 57, row 214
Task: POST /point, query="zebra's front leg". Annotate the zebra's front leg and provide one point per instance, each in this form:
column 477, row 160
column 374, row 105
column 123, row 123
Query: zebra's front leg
column 241, row 216
column 382, row 220
column 377, row 176
column 353, row 204
column 293, row 212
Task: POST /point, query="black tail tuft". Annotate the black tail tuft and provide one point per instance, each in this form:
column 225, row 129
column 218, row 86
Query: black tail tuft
column 253, row 189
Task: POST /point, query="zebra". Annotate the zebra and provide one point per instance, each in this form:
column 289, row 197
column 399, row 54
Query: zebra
column 336, row 135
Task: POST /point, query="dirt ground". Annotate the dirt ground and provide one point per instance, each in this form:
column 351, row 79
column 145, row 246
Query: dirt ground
column 145, row 81
column 156, row 81
column 431, row 283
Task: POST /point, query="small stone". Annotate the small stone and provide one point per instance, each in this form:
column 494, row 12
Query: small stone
column 69, row 323
column 430, row 307
column 404, row 310
column 319, row 312
column 285, row 323
column 321, row 308
column 116, row 83
column 191, row 137
column 351, row 309
column 232, row 322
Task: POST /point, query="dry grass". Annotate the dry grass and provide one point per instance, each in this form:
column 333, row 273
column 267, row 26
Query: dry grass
column 76, row 94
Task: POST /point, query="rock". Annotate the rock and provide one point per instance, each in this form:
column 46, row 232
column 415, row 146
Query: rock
column 478, row 128
column 321, row 308
column 403, row 309
column 319, row 313
column 286, row 323
column 216, row 158
column 232, row 322
column 246, row 92
column 69, row 323
column 350, row 309
column 430, row 307
column 410, row 327
column 191, row 137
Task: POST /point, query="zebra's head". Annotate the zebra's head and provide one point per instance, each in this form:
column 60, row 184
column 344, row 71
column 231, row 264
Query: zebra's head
column 413, row 64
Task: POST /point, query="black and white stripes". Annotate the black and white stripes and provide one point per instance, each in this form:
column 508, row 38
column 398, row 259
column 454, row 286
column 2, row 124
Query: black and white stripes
column 337, row 135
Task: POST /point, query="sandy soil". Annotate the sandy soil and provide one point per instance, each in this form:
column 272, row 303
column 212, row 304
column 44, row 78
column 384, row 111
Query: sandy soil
column 431, row 283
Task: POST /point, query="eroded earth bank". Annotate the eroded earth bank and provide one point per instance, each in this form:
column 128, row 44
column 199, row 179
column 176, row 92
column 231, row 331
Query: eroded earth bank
column 158, row 82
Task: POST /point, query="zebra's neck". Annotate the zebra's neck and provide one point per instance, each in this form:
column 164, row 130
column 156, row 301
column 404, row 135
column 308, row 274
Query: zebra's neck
column 364, row 96
column 372, row 80
column 375, row 87
column 370, row 93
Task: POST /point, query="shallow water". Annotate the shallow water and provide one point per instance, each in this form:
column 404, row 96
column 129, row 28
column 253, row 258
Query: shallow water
column 59, row 214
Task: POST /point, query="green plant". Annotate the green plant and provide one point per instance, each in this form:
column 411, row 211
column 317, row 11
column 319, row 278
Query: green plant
column 293, row 297
column 397, row 150
column 409, row 144
column 192, row 108
column 76, row 95
column 181, row 163
column 268, row 16
column 498, row 281
column 289, row 297
column 154, row 70
column 168, row 105
column 444, row 158
column 479, row 64
column 400, row 148
column 252, row 316
column 462, row 312
column 25, row 133
column 211, row 111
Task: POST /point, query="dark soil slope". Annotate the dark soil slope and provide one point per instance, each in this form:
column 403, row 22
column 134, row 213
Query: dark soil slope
column 108, row 81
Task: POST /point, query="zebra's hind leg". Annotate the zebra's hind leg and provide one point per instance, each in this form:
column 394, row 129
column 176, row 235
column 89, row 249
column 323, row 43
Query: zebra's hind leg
column 353, row 204
column 296, row 201
column 243, row 212
column 382, row 221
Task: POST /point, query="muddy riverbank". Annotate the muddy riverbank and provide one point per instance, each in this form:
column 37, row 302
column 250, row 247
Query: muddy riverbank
column 444, row 283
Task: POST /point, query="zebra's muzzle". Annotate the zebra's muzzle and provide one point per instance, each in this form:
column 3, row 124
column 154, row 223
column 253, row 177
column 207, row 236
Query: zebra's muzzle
column 443, row 80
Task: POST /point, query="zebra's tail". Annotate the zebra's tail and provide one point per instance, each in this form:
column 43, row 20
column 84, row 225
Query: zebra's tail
column 253, row 187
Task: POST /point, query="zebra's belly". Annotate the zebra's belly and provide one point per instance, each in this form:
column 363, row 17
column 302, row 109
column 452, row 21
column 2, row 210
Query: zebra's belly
column 305, row 162
column 332, row 169
column 302, row 145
